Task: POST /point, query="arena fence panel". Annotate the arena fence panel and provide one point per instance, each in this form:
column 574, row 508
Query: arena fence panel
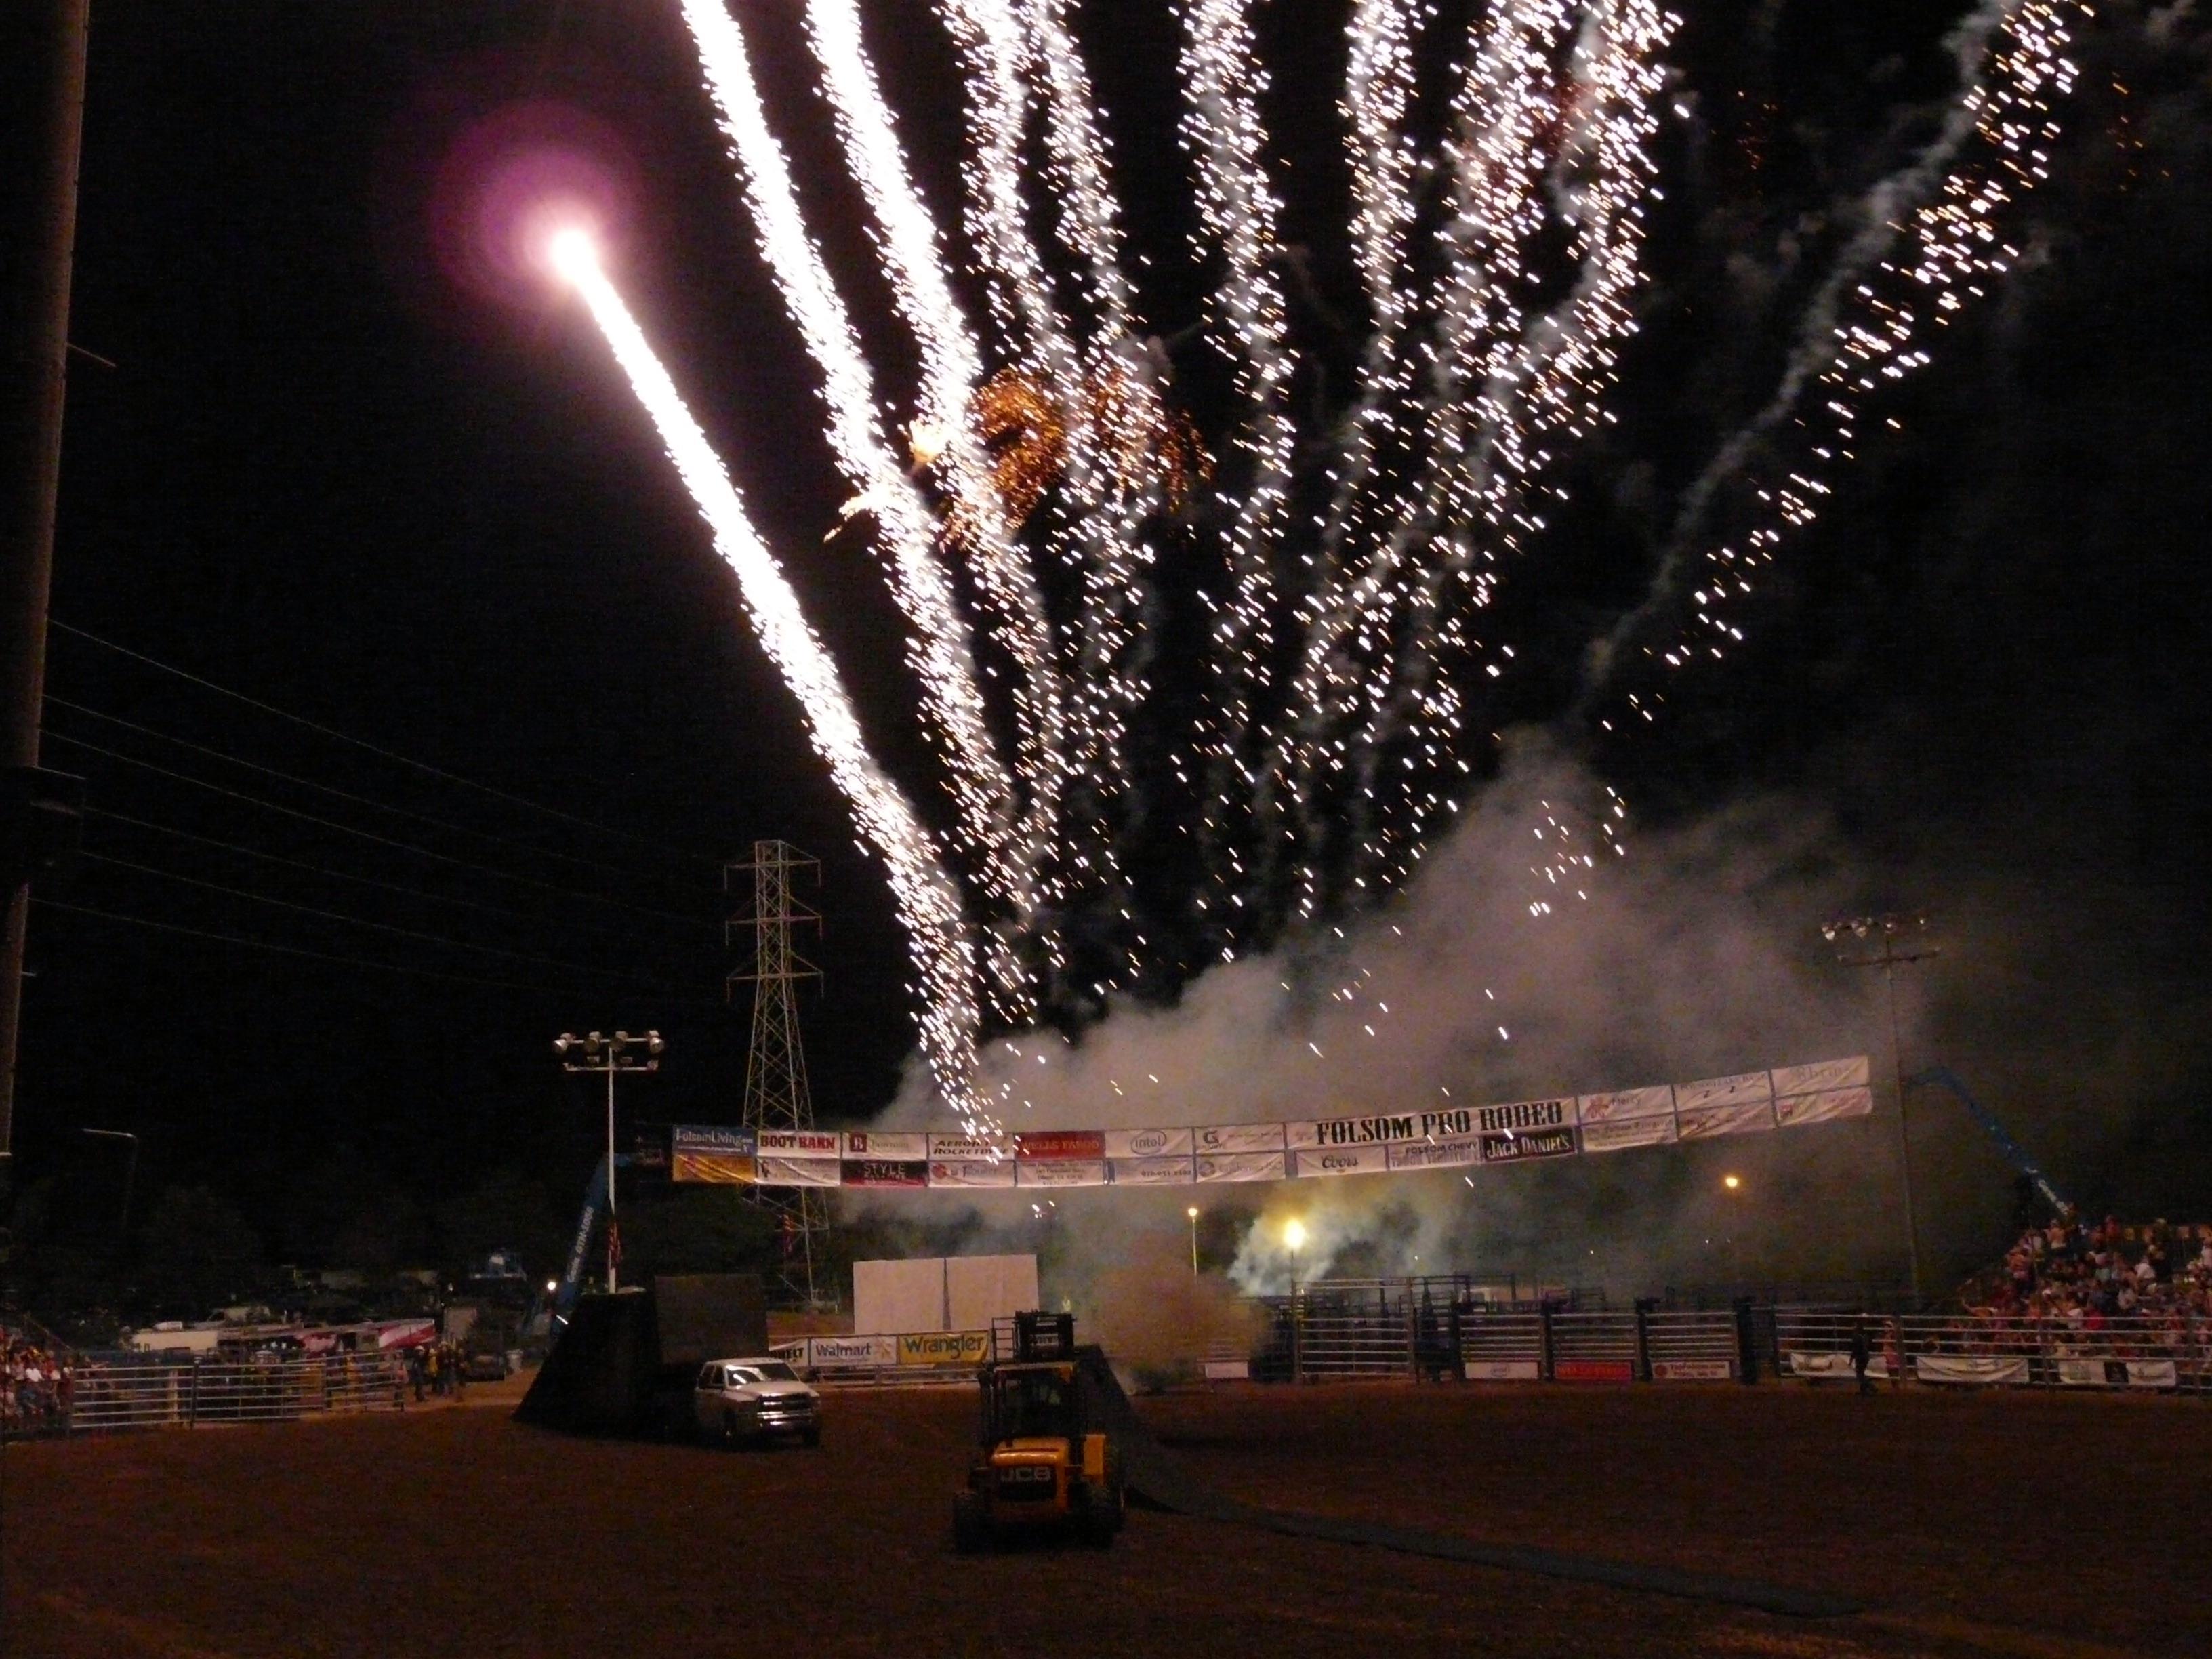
column 2166, row 1354
column 154, row 1393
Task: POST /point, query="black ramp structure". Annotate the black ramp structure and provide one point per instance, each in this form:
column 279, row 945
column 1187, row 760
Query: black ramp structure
column 624, row 1364
column 1156, row 1474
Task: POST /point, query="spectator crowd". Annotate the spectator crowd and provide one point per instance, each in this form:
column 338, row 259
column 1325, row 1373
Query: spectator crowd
column 34, row 1387
column 2087, row 1277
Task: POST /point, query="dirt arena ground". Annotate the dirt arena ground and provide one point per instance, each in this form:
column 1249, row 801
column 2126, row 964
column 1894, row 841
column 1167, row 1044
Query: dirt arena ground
column 2065, row 1528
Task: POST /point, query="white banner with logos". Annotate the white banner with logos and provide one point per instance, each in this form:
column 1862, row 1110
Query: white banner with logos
column 1341, row 1160
column 1241, row 1166
column 1453, row 1137
column 1975, row 1368
column 1826, row 1107
column 1148, row 1143
column 1153, row 1171
column 834, row 1350
column 800, row 1172
column 1060, row 1172
column 1619, row 1135
column 882, row 1143
column 971, row 1172
column 2152, row 1374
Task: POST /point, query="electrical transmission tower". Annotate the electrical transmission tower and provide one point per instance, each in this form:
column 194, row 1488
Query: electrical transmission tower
column 776, row 1095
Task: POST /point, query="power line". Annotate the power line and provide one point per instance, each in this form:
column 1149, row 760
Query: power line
column 393, row 928
column 377, row 749
column 313, row 956
column 346, row 795
column 381, row 841
column 320, row 869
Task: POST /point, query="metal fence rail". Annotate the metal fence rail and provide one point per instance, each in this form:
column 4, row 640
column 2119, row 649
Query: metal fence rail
column 163, row 1394
column 2168, row 1354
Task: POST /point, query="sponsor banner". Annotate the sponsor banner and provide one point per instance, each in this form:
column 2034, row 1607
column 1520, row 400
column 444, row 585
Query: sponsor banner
column 1241, row 1166
column 884, row 1171
column 1060, row 1172
column 945, row 1348
column 728, row 1168
column 1821, row 1076
column 1061, row 1143
column 1593, row 1371
column 1526, row 1114
column 1969, row 1368
column 2151, row 1374
column 1657, row 1101
column 801, row 1143
column 1148, row 1143
column 2083, row 1374
column 880, row 1143
column 1819, row 1364
column 967, row 1149
column 1741, row 1117
column 1237, row 1137
column 1153, row 1171
column 1744, row 1089
column 797, row 1172
column 1228, row 1370
column 971, row 1172
column 1826, row 1107
column 1437, row 1154
column 1505, row 1370
column 1341, row 1161
column 1510, row 1148
column 708, row 1151
column 1693, row 1370
column 851, row 1350
column 1617, row 1134
column 1367, row 1131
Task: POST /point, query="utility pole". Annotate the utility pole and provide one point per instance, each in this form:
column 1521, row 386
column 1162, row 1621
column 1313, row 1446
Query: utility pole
column 1889, row 942
column 620, row 1053
column 42, row 51
column 776, row 1092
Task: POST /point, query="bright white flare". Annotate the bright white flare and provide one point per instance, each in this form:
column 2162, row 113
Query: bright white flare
column 929, row 902
column 572, row 254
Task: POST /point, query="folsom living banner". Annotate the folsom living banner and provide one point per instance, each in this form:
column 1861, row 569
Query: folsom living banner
column 1459, row 1137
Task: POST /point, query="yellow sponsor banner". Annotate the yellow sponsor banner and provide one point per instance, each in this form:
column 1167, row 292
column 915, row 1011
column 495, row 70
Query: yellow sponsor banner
column 945, row 1347
column 711, row 1166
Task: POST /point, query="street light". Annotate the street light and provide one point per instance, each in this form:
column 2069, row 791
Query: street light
column 1192, row 1213
column 620, row 1053
column 1888, row 942
column 130, row 1172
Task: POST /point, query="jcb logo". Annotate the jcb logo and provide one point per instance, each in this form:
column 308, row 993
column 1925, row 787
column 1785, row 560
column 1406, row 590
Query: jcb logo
column 1025, row 1472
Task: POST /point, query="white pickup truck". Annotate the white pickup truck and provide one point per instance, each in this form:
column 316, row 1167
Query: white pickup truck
column 744, row 1400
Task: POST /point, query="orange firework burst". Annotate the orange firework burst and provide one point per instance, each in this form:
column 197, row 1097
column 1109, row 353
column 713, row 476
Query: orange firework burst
column 1142, row 443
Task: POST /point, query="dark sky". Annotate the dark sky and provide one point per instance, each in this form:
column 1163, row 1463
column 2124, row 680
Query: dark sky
column 320, row 460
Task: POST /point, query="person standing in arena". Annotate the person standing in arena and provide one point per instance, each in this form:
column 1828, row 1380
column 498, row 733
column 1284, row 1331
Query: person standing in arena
column 1862, row 1353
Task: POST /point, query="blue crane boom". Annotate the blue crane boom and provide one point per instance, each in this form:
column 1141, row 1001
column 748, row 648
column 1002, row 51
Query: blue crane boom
column 1943, row 1077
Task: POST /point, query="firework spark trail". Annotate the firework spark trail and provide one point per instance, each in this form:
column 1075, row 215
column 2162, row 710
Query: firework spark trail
column 1495, row 209
column 1089, row 535
column 2011, row 58
column 1550, row 389
column 937, row 640
column 1471, row 379
column 1222, row 81
column 1379, row 82
column 951, row 374
column 928, row 902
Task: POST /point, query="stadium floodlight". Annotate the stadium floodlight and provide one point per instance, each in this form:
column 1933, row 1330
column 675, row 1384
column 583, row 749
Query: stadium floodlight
column 1732, row 1182
column 621, row 1053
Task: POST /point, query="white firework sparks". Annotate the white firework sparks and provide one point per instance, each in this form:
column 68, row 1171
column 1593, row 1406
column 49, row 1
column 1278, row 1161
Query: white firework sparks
column 1354, row 555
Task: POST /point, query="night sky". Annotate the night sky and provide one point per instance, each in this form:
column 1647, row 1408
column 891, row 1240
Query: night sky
column 317, row 454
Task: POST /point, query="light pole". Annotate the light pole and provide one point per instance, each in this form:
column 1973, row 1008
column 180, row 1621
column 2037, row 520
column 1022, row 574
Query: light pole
column 620, row 1053
column 1294, row 1235
column 129, row 1173
column 1192, row 1213
column 1888, row 942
